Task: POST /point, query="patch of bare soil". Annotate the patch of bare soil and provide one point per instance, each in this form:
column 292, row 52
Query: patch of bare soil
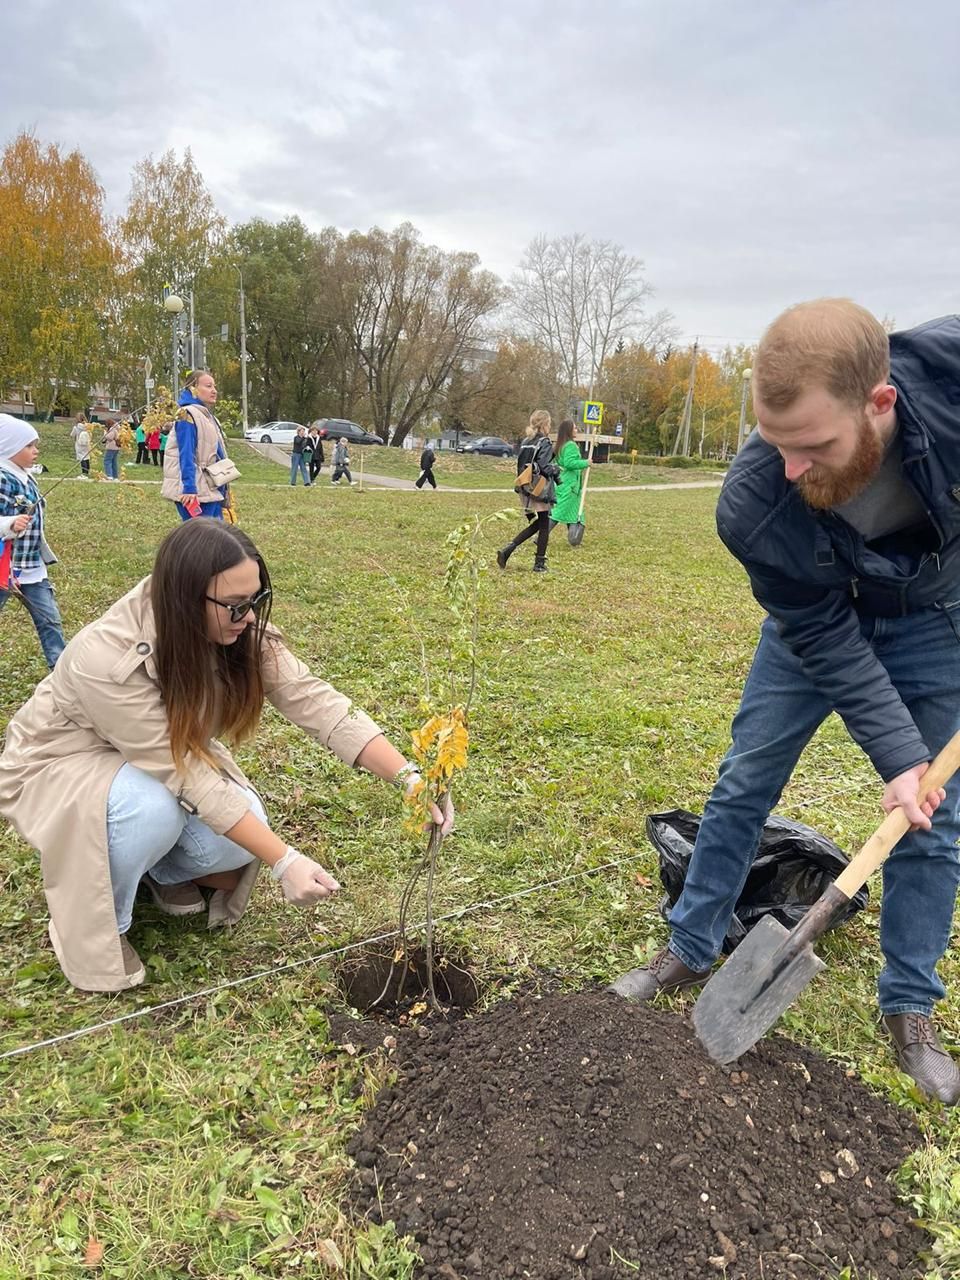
column 581, row 1136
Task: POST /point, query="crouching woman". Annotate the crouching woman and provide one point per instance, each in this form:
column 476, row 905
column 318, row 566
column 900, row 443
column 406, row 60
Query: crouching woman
column 114, row 772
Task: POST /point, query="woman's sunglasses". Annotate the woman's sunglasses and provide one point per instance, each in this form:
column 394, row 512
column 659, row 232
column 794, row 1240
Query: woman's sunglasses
column 240, row 610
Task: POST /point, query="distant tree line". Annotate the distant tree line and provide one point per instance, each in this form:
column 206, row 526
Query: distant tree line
column 375, row 326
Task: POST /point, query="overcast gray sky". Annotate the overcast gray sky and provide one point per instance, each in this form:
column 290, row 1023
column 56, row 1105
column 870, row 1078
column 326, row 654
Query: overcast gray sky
column 752, row 152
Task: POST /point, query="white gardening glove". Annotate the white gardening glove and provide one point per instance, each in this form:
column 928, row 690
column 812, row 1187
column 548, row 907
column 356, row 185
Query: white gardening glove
column 304, row 881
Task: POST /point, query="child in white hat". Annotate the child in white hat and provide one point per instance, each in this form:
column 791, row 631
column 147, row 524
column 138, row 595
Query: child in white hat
column 24, row 551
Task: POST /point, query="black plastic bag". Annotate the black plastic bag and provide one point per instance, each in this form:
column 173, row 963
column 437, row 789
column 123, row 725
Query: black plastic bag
column 793, row 866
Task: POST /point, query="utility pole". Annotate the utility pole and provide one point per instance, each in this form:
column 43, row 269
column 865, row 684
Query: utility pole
column 746, row 375
column 193, row 338
column 682, row 442
column 243, row 352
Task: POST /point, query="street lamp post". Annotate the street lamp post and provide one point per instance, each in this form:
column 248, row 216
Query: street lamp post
column 746, row 375
column 174, row 304
column 243, row 350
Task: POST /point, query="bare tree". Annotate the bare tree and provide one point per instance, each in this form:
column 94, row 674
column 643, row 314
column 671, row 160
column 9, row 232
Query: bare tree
column 578, row 298
column 409, row 312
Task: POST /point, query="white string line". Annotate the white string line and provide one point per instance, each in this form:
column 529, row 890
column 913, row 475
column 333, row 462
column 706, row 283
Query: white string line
column 325, row 955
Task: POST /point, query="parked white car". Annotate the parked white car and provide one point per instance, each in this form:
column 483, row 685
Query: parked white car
column 272, row 433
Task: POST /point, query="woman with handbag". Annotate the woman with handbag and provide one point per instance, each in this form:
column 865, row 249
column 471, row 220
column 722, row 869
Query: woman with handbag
column 196, row 469
column 536, row 476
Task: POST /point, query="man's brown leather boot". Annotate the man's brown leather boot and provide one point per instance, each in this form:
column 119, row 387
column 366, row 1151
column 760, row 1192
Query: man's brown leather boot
column 665, row 972
column 922, row 1056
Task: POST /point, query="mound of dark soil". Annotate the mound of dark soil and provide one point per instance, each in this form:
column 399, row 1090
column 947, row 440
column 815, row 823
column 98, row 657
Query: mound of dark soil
column 582, row 1136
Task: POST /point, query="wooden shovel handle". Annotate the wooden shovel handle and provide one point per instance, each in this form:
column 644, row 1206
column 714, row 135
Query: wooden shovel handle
column 895, row 825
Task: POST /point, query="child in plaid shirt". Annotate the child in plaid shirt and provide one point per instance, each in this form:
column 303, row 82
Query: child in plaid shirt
column 24, row 553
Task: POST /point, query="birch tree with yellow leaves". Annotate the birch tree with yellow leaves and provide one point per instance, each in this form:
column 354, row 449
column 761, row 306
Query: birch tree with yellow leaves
column 57, row 264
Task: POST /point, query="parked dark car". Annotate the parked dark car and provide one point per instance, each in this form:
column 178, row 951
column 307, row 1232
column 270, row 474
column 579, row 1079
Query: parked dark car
column 493, row 446
column 334, row 428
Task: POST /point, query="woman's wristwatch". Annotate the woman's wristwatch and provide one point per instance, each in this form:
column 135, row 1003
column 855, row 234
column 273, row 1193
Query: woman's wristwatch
column 407, row 771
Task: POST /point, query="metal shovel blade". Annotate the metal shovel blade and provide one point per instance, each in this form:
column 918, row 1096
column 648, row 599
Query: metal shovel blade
column 751, row 990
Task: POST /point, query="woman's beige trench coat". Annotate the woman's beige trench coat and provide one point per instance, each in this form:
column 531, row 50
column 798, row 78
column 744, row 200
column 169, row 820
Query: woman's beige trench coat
column 99, row 708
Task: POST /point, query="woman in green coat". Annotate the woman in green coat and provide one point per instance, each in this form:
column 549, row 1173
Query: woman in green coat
column 566, row 509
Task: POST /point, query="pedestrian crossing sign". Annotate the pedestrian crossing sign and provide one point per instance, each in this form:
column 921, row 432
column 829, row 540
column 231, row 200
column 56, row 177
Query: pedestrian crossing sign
column 593, row 413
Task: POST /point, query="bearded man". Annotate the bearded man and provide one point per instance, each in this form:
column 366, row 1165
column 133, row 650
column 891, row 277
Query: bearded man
column 844, row 508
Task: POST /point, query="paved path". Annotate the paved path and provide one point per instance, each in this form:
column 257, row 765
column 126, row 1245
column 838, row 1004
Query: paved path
column 278, row 453
column 393, row 482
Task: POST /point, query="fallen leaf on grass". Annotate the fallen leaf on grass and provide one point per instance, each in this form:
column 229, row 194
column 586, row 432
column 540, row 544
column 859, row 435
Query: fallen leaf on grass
column 282, row 1242
column 93, row 1254
column 328, row 1252
column 643, row 881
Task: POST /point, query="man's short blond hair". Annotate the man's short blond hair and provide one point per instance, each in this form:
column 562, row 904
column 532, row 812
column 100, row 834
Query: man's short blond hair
column 831, row 343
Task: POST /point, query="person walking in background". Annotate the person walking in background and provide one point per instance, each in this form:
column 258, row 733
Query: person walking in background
column 300, row 458
column 24, row 550
column 140, row 436
column 538, row 494
column 196, row 459
column 566, row 509
column 341, row 462
column 164, row 432
column 427, row 459
column 308, row 455
column 82, row 445
column 153, row 444
column 316, row 460
column 111, row 451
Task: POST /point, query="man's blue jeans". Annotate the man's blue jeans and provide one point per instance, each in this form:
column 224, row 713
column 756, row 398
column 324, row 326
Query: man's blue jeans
column 41, row 605
column 779, row 712
column 298, row 463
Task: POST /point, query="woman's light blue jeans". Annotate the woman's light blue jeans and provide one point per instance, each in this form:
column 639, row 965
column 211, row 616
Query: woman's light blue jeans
column 779, row 712
column 111, row 463
column 147, row 830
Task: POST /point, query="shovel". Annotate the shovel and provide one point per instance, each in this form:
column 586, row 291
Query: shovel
column 772, row 965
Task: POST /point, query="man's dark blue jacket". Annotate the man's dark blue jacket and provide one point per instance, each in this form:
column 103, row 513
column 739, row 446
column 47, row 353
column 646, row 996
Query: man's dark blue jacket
column 814, row 574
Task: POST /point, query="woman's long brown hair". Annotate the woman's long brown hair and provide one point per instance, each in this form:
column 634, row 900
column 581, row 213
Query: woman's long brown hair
column 188, row 663
column 564, row 433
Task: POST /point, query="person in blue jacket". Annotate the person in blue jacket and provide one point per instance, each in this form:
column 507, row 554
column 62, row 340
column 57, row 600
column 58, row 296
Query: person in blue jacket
column 844, row 508
column 195, row 443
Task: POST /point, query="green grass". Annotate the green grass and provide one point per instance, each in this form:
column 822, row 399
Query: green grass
column 208, row 1140
column 453, row 470
column 462, row 471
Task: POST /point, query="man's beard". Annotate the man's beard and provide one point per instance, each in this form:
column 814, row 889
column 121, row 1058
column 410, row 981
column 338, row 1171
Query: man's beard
column 822, row 489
